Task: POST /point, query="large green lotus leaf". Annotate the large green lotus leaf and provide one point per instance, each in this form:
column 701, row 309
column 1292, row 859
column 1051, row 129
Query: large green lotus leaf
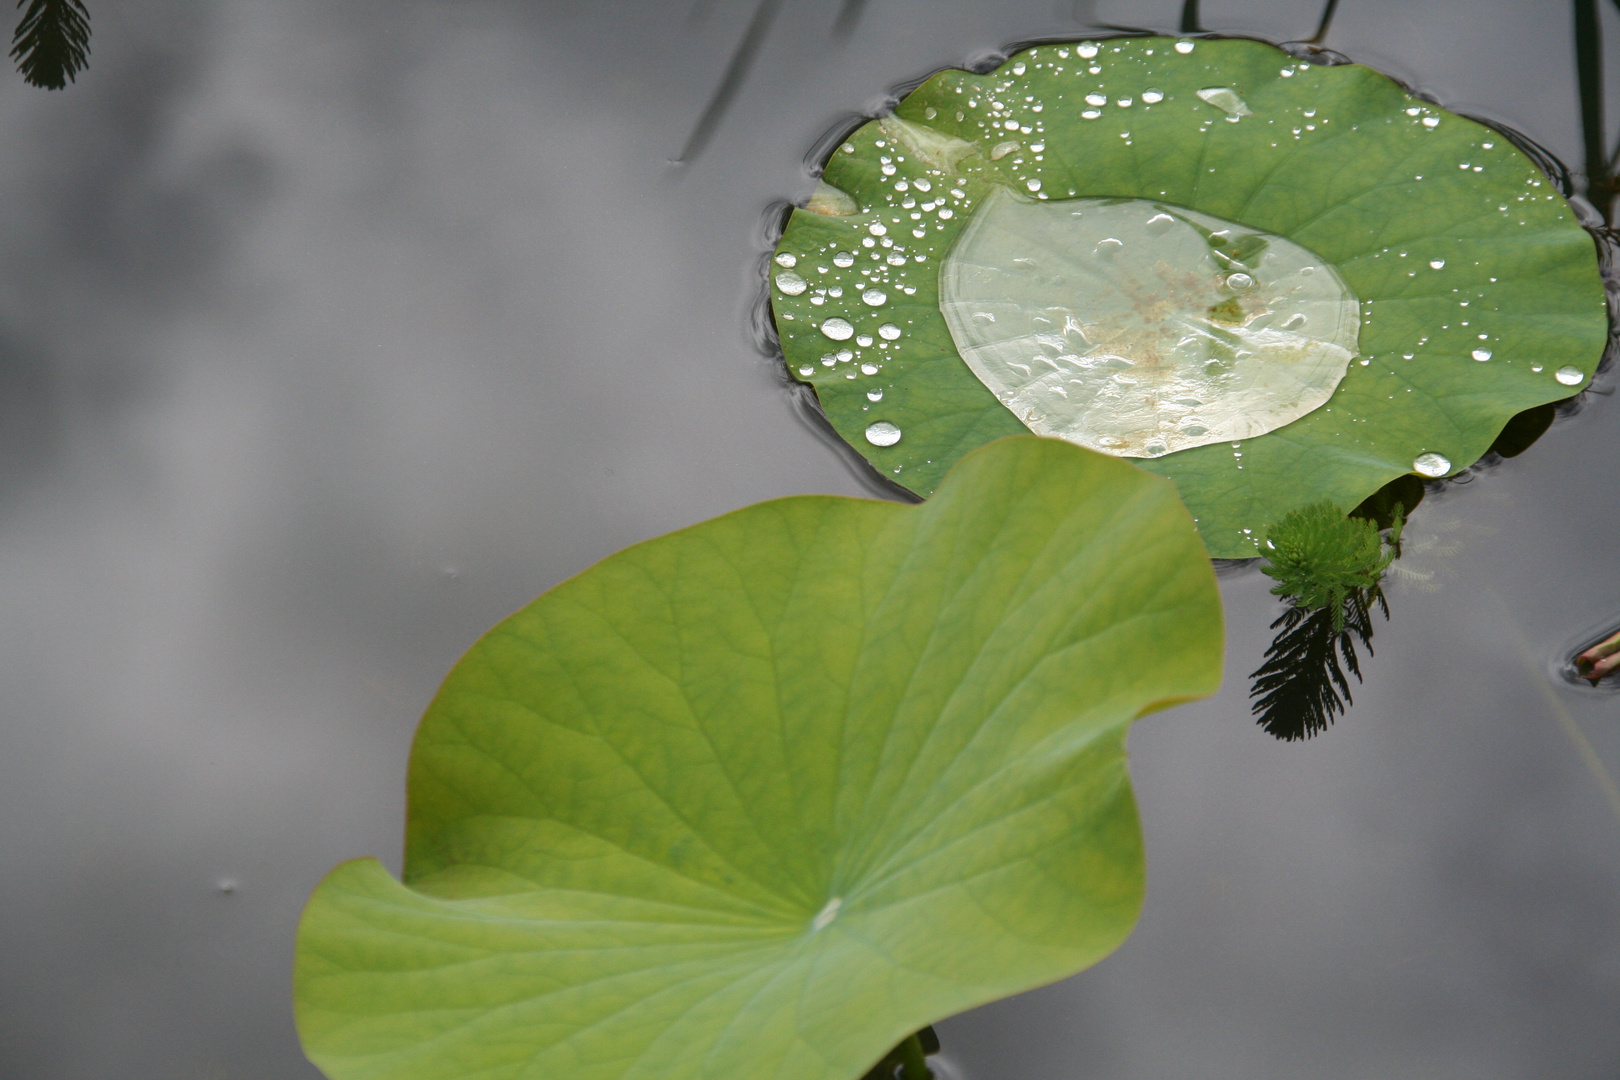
column 761, row 797
column 1448, row 235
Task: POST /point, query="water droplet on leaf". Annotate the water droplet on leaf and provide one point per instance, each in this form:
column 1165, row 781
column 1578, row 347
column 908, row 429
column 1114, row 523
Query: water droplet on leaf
column 1431, row 465
column 882, row 433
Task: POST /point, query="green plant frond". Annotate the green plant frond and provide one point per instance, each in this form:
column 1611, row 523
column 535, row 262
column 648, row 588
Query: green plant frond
column 1317, row 556
column 52, row 42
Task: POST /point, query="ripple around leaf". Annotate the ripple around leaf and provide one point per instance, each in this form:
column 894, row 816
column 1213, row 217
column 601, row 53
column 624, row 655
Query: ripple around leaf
column 764, row 796
column 1451, row 239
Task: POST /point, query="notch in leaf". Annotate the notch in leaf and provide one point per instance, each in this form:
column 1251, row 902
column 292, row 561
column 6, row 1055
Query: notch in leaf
column 52, row 42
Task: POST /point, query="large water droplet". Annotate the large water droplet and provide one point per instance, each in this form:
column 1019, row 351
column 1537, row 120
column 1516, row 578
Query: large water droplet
column 1086, row 50
column 888, row 331
column 1184, row 47
column 787, row 260
column 790, row 283
column 838, row 329
column 1437, row 264
column 875, row 297
column 1482, row 355
column 875, row 395
column 843, row 258
column 1570, row 375
column 1096, row 99
column 882, row 433
column 1158, row 351
column 1152, row 97
column 1227, row 100
column 1431, row 465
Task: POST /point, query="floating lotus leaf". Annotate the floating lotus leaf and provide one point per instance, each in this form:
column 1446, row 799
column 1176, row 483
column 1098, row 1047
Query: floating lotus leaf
column 1452, row 288
column 762, row 797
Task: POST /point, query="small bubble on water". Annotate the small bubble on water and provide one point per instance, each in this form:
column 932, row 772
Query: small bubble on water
column 875, row 297
column 1431, row 465
column 888, row 331
column 786, row 260
column 838, row 329
column 1569, row 375
column 1482, row 355
column 882, row 433
column 790, row 283
column 1239, row 282
column 843, row 258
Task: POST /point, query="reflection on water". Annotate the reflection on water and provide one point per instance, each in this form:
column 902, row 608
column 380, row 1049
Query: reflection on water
column 1302, row 684
column 52, row 42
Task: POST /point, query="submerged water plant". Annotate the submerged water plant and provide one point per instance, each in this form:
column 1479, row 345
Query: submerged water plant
column 765, row 796
column 1329, row 567
column 1272, row 281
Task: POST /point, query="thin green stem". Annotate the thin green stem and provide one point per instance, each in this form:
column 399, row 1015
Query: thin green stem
column 913, row 1062
column 1600, row 187
column 1189, row 18
column 1327, row 21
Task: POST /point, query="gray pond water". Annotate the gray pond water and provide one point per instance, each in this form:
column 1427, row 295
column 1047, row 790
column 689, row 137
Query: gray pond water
column 330, row 334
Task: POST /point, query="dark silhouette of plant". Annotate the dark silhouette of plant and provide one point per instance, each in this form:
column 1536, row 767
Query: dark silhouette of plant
column 52, row 42
column 1302, row 684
